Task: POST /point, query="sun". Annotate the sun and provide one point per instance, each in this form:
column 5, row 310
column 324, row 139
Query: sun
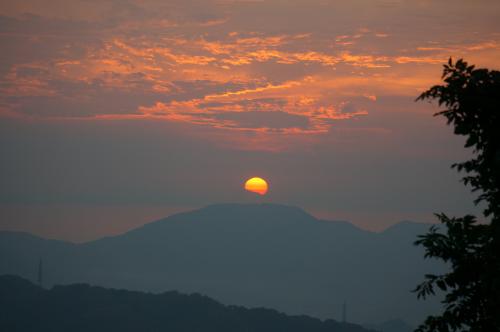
column 257, row 185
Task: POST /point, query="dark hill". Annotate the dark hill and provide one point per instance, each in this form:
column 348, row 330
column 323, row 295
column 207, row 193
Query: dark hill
column 26, row 307
column 250, row 254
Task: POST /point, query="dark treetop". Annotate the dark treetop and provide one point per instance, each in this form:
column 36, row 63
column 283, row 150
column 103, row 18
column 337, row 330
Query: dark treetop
column 80, row 307
column 472, row 287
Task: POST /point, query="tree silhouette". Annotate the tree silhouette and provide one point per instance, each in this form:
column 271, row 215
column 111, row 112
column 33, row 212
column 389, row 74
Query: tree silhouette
column 472, row 250
column 26, row 307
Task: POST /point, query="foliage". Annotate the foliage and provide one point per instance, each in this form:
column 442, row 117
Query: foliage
column 472, row 250
column 27, row 307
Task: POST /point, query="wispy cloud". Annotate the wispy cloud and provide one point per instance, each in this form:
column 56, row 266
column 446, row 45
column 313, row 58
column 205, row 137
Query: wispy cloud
column 208, row 65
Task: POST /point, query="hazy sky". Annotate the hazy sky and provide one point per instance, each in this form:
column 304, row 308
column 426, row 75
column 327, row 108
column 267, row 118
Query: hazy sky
column 115, row 113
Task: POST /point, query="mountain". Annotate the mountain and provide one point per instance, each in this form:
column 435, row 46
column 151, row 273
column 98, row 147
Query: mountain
column 255, row 255
column 25, row 307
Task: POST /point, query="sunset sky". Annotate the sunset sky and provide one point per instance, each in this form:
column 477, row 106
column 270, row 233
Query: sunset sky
column 116, row 113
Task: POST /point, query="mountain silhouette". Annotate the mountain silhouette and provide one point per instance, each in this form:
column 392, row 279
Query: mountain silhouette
column 254, row 255
column 26, row 307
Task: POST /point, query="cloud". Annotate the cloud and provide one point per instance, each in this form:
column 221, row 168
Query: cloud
column 175, row 61
column 271, row 120
column 271, row 107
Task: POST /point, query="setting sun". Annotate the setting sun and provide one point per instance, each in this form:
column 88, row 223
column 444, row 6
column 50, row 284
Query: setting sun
column 256, row 185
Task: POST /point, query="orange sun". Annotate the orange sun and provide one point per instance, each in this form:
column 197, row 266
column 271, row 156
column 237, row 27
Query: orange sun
column 256, row 185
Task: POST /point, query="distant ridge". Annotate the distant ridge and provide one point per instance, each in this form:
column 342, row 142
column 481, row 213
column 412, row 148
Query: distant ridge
column 27, row 307
column 254, row 255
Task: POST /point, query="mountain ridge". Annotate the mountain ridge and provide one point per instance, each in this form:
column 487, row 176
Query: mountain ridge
column 224, row 205
column 253, row 254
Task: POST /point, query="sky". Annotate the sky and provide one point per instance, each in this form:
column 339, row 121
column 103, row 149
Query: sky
column 116, row 113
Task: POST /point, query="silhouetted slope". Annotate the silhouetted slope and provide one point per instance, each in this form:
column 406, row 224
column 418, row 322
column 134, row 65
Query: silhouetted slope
column 26, row 307
column 250, row 254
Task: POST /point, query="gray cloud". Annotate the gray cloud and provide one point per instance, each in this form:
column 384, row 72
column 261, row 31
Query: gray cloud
column 265, row 119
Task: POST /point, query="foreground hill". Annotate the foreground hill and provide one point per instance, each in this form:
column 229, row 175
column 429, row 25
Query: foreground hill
column 254, row 255
column 27, row 307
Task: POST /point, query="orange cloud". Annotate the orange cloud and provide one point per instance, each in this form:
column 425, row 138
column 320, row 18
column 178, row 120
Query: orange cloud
column 260, row 105
column 217, row 73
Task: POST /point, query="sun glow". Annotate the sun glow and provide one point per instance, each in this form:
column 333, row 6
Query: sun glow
column 256, row 185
